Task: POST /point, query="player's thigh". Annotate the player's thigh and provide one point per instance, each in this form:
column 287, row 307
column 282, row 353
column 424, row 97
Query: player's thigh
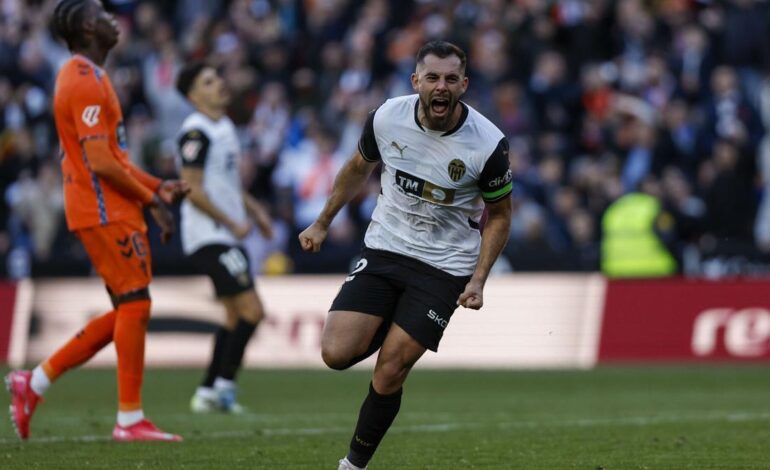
column 427, row 305
column 348, row 333
column 365, row 301
column 120, row 254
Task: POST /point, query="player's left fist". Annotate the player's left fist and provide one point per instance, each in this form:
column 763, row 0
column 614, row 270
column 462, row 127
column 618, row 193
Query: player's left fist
column 173, row 191
column 473, row 296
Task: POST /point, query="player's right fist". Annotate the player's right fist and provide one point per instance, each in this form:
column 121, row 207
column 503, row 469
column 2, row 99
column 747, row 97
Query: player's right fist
column 163, row 217
column 240, row 230
column 173, row 191
column 312, row 237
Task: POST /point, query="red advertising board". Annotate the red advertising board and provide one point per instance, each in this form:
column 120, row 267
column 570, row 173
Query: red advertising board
column 686, row 320
column 7, row 302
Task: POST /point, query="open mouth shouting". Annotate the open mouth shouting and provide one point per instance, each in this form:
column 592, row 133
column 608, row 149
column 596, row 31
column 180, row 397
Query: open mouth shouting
column 439, row 107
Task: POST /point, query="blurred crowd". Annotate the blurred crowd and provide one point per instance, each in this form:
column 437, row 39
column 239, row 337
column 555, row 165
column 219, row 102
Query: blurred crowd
column 595, row 96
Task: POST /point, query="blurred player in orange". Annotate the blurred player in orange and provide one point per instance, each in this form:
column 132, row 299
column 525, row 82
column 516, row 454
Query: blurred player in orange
column 104, row 195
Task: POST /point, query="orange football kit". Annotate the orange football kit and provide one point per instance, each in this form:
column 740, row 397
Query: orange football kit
column 105, row 212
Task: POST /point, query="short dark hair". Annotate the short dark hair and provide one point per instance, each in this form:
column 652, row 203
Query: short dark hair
column 441, row 49
column 67, row 20
column 187, row 76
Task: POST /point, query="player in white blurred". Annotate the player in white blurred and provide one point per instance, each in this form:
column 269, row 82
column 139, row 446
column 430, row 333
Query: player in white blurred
column 442, row 164
column 217, row 215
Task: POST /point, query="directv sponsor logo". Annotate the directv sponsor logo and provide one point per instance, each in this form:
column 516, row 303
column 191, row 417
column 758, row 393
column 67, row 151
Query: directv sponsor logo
column 501, row 180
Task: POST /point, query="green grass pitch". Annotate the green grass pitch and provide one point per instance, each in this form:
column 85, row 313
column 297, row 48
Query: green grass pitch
column 607, row 418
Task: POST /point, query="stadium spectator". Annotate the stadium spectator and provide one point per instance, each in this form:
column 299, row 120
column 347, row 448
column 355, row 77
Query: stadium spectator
column 37, row 202
column 304, row 180
column 555, row 76
column 635, row 232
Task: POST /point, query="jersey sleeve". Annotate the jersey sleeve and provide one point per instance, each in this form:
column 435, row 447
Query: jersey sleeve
column 194, row 148
column 88, row 105
column 495, row 180
column 367, row 145
column 150, row 182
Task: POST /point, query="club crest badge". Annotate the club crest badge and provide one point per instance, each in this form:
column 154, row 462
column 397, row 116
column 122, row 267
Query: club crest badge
column 456, row 169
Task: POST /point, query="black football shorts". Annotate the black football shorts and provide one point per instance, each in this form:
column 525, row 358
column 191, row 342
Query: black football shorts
column 227, row 266
column 416, row 296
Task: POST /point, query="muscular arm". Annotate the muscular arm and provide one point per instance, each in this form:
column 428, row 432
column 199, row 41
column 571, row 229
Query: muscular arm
column 150, row 182
column 259, row 214
column 102, row 163
column 494, row 238
column 194, row 177
column 347, row 184
column 493, row 241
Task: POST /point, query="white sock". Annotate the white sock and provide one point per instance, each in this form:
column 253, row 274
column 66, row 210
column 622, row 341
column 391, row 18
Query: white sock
column 223, row 384
column 129, row 418
column 40, row 381
column 206, row 392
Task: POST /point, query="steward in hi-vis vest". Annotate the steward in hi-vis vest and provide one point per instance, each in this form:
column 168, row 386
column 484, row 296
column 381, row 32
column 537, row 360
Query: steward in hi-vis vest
column 631, row 246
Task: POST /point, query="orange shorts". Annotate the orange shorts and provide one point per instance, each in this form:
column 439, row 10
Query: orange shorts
column 120, row 253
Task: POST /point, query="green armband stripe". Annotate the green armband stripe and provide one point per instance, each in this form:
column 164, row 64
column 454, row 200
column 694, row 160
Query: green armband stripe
column 494, row 195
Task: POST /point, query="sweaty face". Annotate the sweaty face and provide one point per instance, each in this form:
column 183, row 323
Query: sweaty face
column 440, row 83
column 209, row 90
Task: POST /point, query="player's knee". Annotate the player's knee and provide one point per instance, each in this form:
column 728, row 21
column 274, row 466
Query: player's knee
column 253, row 314
column 334, row 357
column 135, row 304
column 141, row 295
column 249, row 307
column 390, row 375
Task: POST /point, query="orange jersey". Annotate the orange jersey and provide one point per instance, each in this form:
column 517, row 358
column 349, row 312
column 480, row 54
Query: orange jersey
column 86, row 107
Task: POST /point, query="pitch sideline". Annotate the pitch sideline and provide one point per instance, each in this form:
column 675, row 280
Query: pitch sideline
column 735, row 416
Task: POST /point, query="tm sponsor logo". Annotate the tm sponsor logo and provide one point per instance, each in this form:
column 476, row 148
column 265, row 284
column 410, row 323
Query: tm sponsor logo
column 408, row 184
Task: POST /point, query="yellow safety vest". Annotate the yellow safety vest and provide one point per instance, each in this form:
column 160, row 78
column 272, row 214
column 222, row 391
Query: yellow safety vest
column 630, row 247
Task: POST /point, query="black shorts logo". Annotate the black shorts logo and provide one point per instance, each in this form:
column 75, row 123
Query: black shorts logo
column 236, row 264
column 362, row 263
column 441, row 321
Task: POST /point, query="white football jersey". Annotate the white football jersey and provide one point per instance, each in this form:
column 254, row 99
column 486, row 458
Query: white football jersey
column 434, row 184
column 214, row 147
